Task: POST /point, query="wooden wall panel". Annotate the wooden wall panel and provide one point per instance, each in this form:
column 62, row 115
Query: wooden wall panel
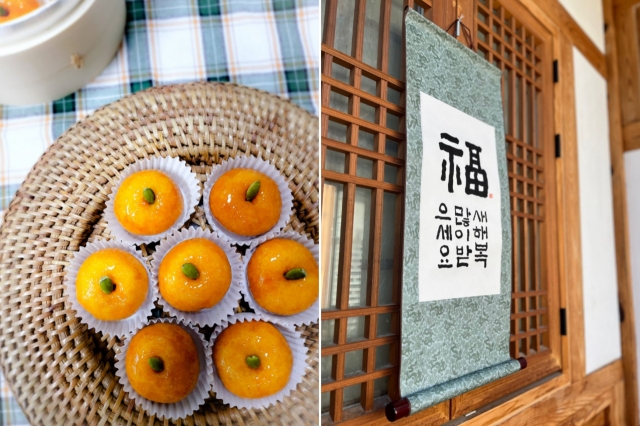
column 570, row 207
column 631, row 136
column 578, row 403
column 554, row 11
column 624, row 17
column 573, row 404
column 625, row 289
column 626, row 37
column 589, row 16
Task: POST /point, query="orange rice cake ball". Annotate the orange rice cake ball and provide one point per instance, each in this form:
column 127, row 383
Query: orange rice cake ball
column 162, row 363
column 148, row 203
column 229, row 204
column 253, row 359
column 14, row 9
column 194, row 275
column 112, row 284
column 283, row 277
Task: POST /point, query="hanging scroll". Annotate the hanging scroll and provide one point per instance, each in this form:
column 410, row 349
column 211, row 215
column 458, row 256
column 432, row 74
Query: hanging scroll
column 456, row 295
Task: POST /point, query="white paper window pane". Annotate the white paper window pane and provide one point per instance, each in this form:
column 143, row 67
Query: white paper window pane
column 327, row 333
column 384, row 325
column 367, row 112
column 353, row 363
column 391, row 174
column 332, row 195
column 366, row 140
column 340, row 73
column 337, row 131
column 371, row 33
column 392, row 148
column 395, row 39
column 600, row 293
column 393, row 96
column 344, row 26
column 326, row 398
column 383, row 354
column 335, row 161
column 387, row 254
column 364, row 168
column 368, row 85
column 355, row 328
column 380, row 387
column 360, row 248
column 339, row 102
column 325, row 370
column 351, row 396
column 393, row 122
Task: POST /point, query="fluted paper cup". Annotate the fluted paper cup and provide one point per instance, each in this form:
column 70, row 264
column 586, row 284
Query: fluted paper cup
column 191, row 402
column 222, row 309
column 305, row 317
column 262, row 167
column 298, row 350
column 113, row 328
column 180, row 172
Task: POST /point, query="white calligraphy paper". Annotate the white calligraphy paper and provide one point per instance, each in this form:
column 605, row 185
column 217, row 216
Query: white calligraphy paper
column 460, row 220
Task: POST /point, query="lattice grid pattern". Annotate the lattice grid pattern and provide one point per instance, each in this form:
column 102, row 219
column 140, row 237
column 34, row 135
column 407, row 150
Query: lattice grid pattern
column 362, row 168
column 506, row 43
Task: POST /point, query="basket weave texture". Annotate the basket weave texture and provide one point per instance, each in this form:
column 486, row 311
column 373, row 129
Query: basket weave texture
column 62, row 373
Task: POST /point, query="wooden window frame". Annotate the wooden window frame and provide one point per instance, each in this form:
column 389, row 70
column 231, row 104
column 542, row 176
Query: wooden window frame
column 370, row 408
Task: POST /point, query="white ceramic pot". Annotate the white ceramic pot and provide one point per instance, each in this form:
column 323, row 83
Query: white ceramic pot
column 58, row 58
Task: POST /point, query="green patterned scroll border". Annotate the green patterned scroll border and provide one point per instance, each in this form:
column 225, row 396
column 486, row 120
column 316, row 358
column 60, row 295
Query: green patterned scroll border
column 450, row 346
column 434, row 395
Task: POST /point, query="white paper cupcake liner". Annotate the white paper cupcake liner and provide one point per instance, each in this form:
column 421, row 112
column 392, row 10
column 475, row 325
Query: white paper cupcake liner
column 222, row 309
column 180, row 173
column 112, row 328
column 262, row 167
column 305, row 317
column 298, row 350
column 190, row 403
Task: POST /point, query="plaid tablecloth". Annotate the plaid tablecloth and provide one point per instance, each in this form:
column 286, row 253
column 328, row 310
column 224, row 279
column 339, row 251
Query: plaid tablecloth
column 271, row 45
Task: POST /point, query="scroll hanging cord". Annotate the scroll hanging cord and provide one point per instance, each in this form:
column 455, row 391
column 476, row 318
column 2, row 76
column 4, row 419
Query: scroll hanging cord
column 465, row 30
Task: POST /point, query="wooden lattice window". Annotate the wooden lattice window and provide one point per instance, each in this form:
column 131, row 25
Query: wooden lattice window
column 363, row 138
column 506, row 43
column 522, row 49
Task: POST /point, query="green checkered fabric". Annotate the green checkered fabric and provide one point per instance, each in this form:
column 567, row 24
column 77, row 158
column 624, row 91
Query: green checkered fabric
column 10, row 412
column 271, row 45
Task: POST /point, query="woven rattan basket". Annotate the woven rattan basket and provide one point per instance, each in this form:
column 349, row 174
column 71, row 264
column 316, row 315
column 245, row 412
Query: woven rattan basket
column 62, row 373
